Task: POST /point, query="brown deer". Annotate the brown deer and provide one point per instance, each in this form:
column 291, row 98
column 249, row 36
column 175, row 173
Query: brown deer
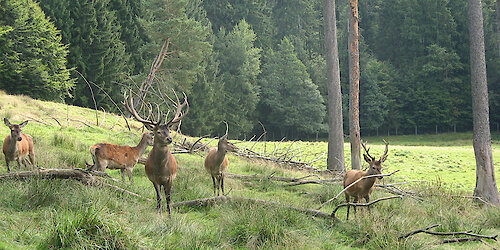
column 216, row 162
column 161, row 166
column 17, row 145
column 363, row 188
column 112, row 156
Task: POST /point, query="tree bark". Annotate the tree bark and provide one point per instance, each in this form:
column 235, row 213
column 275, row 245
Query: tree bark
column 354, row 130
column 486, row 187
column 335, row 159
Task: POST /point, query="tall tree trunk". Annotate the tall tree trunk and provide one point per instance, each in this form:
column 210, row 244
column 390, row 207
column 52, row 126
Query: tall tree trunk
column 335, row 159
column 486, row 187
column 354, row 132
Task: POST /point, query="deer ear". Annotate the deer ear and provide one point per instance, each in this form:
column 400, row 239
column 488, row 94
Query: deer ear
column 6, row 121
column 23, row 124
column 367, row 159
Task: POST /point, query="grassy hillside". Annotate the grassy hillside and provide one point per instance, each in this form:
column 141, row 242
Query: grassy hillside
column 64, row 213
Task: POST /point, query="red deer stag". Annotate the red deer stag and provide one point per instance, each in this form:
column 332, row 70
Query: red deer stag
column 216, row 162
column 17, row 145
column 363, row 188
column 161, row 167
column 124, row 158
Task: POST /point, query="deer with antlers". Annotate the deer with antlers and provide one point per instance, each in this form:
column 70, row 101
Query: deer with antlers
column 161, row 166
column 216, row 161
column 365, row 187
column 113, row 156
column 17, row 145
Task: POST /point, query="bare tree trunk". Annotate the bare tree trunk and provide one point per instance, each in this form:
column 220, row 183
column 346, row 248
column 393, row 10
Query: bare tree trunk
column 354, row 132
column 486, row 187
column 335, row 159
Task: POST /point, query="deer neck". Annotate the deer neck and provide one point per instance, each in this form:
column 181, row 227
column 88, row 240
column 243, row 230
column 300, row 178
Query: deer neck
column 12, row 147
column 141, row 147
column 221, row 154
column 370, row 180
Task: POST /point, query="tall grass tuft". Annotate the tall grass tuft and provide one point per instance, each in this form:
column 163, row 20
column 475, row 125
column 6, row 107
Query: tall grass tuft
column 86, row 228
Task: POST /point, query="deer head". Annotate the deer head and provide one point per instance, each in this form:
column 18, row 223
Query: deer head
column 15, row 129
column 375, row 165
column 224, row 144
column 160, row 130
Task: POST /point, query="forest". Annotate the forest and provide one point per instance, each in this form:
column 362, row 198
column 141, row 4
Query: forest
column 252, row 61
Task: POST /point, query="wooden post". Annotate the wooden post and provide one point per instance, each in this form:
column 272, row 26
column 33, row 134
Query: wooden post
column 377, row 131
column 455, row 128
column 396, row 130
column 416, row 133
column 436, row 129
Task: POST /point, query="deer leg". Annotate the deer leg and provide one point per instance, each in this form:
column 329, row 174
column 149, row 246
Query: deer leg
column 8, row 167
column 348, row 200
column 18, row 163
column 167, row 189
column 213, row 180
column 356, row 200
column 367, row 198
column 32, row 159
column 222, row 183
column 122, row 173
column 130, row 177
column 158, row 197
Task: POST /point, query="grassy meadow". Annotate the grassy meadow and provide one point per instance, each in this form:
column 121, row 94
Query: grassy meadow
column 41, row 214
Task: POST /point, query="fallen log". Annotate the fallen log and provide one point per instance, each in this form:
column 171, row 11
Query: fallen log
column 209, row 201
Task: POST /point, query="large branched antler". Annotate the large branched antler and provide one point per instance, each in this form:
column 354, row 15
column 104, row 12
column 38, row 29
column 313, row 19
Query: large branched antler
column 384, row 156
column 179, row 106
column 367, row 151
column 129, row 105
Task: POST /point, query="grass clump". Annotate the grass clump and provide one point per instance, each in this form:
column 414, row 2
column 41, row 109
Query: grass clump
column 86, row 228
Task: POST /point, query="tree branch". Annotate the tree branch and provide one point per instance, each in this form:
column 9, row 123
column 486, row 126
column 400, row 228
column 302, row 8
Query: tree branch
column 363, row 204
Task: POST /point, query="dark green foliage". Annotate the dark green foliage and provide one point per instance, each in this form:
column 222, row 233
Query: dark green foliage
column 287, row 92
column 32, row 57
column 239, row 67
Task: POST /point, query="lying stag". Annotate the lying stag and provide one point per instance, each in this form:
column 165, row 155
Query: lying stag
column 216, row 162
column 363, row 188
column 17, row 145
column 161, row 166
column 112, row 156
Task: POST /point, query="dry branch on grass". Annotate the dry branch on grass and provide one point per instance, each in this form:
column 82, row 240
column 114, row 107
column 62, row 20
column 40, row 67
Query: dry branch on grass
column 291, row 180
column 475, row 237
column 358, row 180
column 363, row 204
column 92, row 178
column 209, row 201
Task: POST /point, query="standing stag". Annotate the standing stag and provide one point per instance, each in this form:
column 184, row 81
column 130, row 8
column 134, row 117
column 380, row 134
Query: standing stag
column 161, row 167
column 216, row 162
column 17, row 145
column 112, row 156
column 363, row 188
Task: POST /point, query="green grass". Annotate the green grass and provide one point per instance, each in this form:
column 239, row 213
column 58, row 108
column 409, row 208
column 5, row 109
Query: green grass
column 43, row 214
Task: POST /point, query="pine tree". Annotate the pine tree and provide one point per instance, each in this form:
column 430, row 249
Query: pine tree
column 32, row 56
column 239, row 66
column 291, row 104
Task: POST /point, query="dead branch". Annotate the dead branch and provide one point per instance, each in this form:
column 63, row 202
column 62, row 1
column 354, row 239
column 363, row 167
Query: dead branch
column 363, row 204
column 458, row 240
column 418, row 231
column 209, row 201
column 358, row 180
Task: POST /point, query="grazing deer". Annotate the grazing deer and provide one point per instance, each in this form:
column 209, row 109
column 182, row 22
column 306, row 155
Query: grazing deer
column 216, row 162
column 124, row 158
column 17, row 145
column 363, row 188
column 161, row 166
